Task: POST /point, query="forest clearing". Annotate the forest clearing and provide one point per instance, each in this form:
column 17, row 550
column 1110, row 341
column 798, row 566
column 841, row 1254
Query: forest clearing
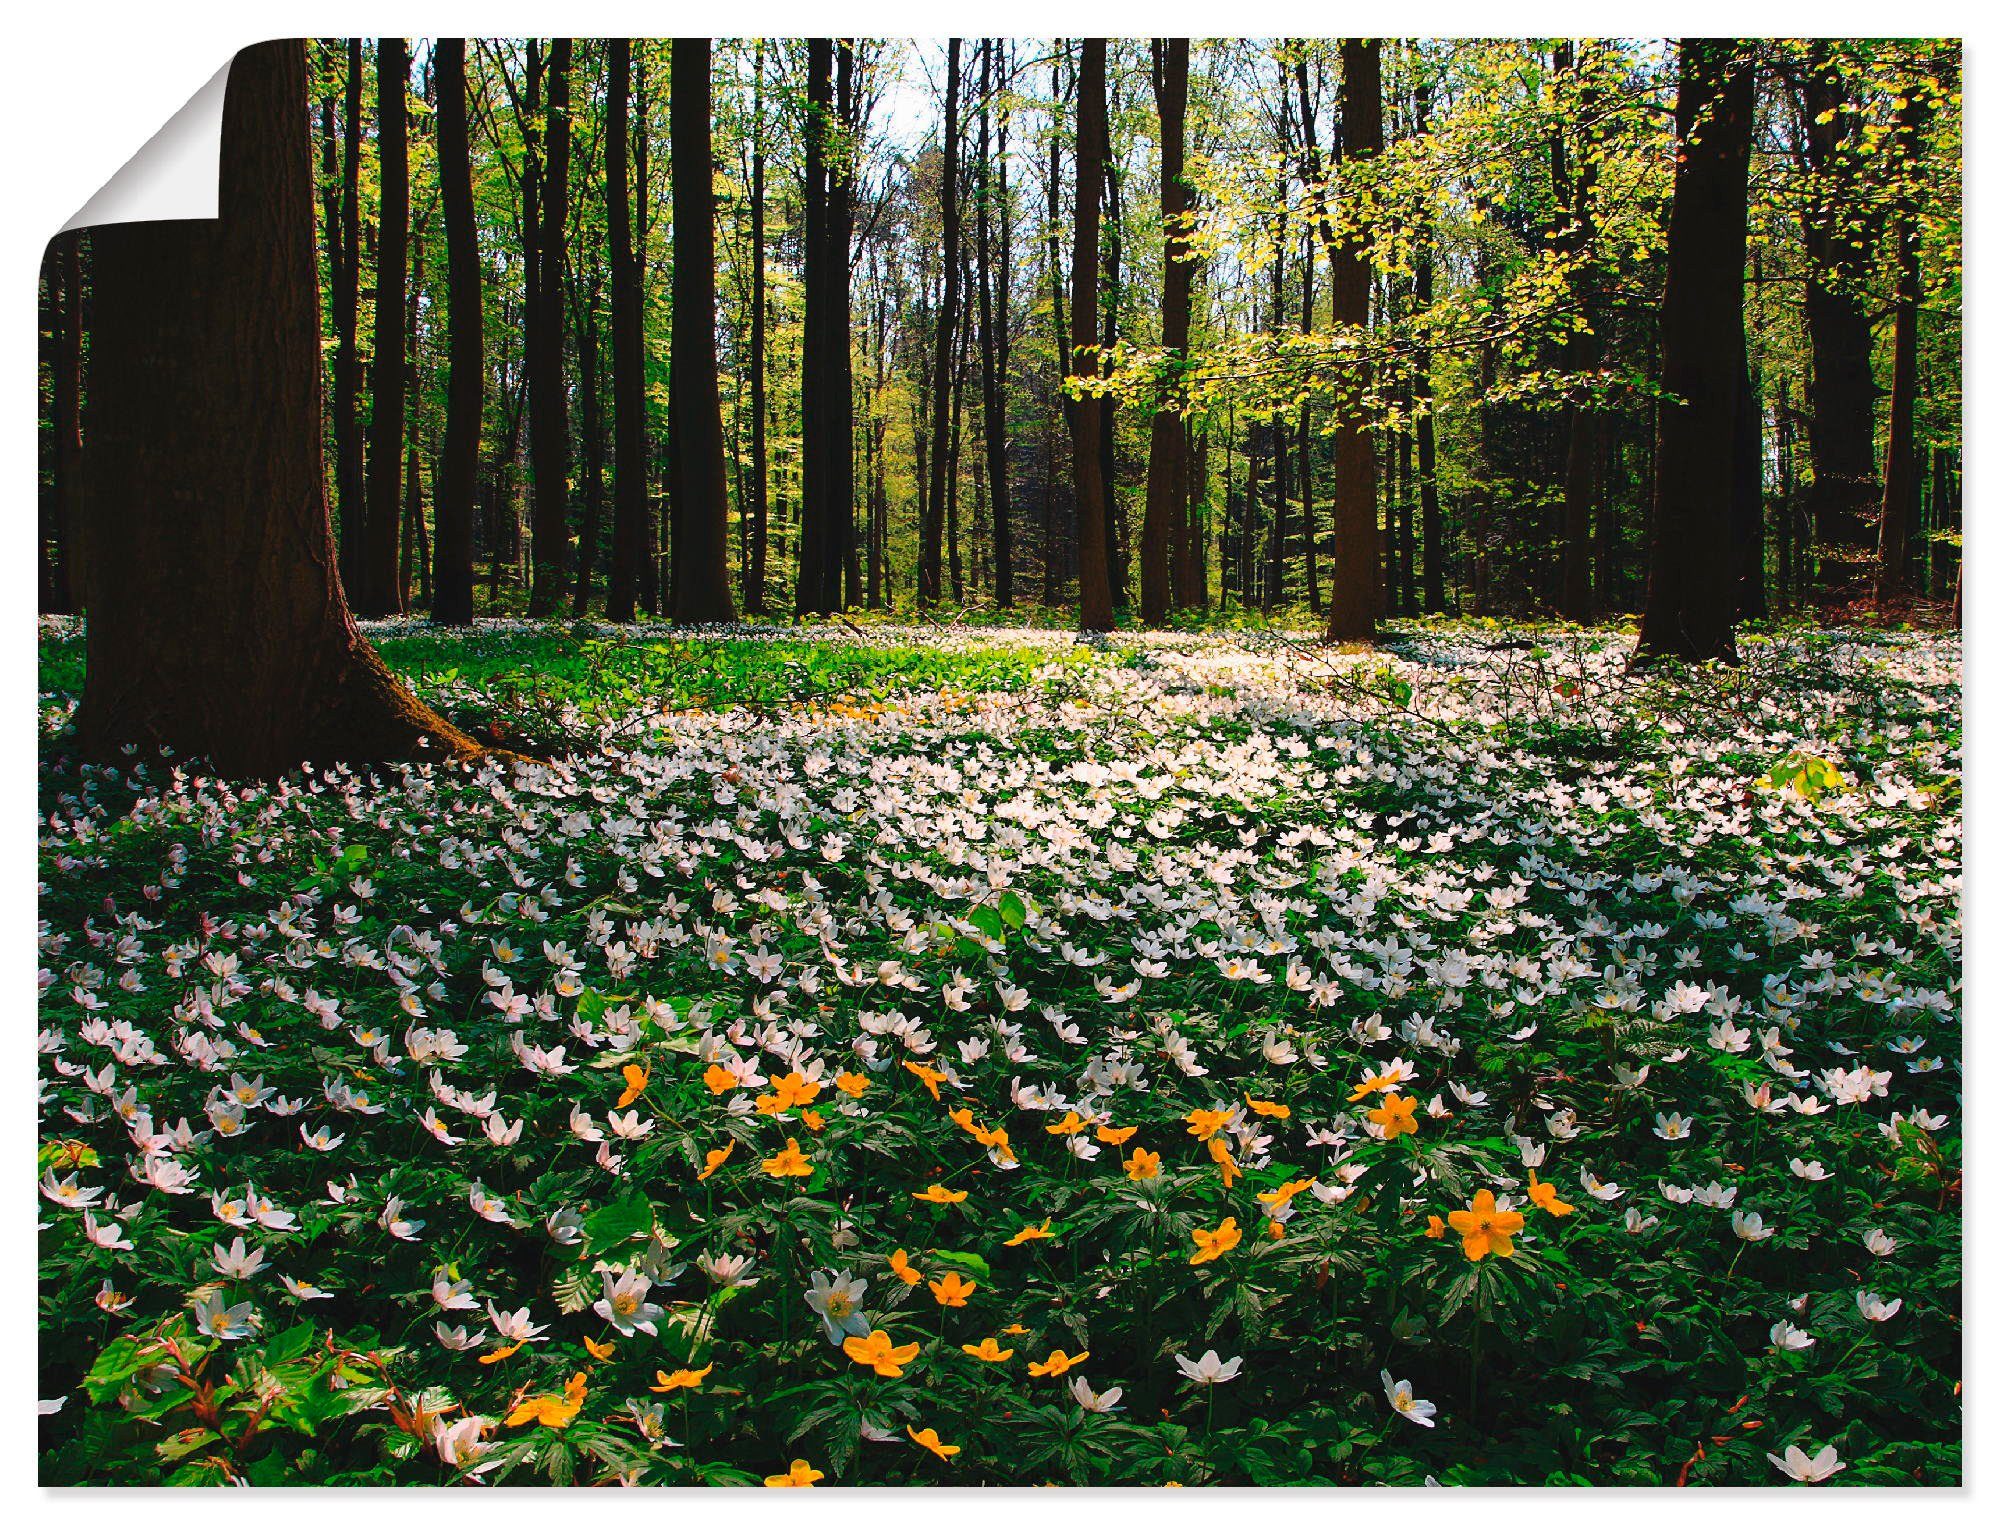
column 1009, row 762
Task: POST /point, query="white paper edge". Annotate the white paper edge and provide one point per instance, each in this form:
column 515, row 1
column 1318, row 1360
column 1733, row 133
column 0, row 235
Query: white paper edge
column 175, row 176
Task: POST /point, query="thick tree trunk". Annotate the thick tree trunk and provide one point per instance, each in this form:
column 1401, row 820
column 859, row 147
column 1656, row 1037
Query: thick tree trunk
column 1166, row 467
column 827, row 380
column 628, row 361
column 697, row 475
column 350, row 489
column 1690, row 592
column 1086, row 413
column 590, row 408
column 548, row 395
column 376, row 593
column 1357, row 553
column 1900, row 468
column 1747, row 496
column 757, row 511
column 993, row 330
column 217, row 626
column 63, row 276
column 458, row 473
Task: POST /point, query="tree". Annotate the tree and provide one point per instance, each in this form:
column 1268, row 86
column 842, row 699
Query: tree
column 757, row 511
column 1691, row 592
column 376, row 591
column 628, row 359
column 993, row 319
column 350, row 483
column 930, row 563
column 1166, row 468
column 218, row 626
column 62, row 279
column 548, row 396
column 1900, row 466
column 826, row 522
column 1085, row 410
column 458, row 473
column 697, row 476
column 1574, row 170
column 1357, row 555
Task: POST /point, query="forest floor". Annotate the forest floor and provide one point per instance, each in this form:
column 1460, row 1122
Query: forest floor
column 891, row 1055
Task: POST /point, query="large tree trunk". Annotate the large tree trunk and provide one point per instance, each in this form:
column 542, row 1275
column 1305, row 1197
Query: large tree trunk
column 458, row 475
column 63, row 278
column 1690, row 592
column 827, row 381
column 757, row 511
column 548, row 396
column 1900, row 468
column 698, row 478
column 628, row 360
column 1357, row 552
column 1086, row 413
column 993, row 329
column 1575, row 176
column 217, row 624
column 1840, row 245
column 1747, row 495
column 642, row 236
column 376, row 593
column 1166, row 468
column 930, row 557
column 350, row 489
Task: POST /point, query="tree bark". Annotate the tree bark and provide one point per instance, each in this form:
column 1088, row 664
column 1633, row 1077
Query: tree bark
column 993, row 331
column 350, row 490
column 698, row 479
column 458, row 475
column 1690, row 594
column 628, row 360
column 930, row 569
column 1166, row 467
column 1900, row 468
column 376, row 593
column 1086, row 413
column 757, row 511
column 548, row 395
column 1357, row 553
column 218, row 626
column 63, row 276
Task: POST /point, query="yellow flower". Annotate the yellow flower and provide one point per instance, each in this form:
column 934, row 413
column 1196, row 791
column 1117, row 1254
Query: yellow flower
column 1115, row 1137
column 939, row 1193
column 1279, row 1196
column 1369, row 1086
column 880, row 1353
column 1434, row 1227
column 851, row 1085
column 788, row 1161
column 603, row 1352
column 1543, row 1195
column 1057, row 1363
column 900, row 1264
column 928, row 1439
column 1218, row 1150
column 1484, row 1229
column 1213, row 1244
column 802, row 1475
column 988, row 1349
column 674, row 1381
column 1396, row 1116
column 635, row 1085
column 1275, row 1109
column 718, row 1080
column 1071, row 1123
column 554, row 1413
column 1143, row 1165
column 715, row 1159
column 1031, row 1232
column 787, row 1092
column 501, row 1354
column 927, row 1075
column 1203, row 1124
column 953, row 1290
column 813, row 1121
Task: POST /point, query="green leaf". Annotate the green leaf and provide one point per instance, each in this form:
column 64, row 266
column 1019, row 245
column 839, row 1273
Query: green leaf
column 1012, row 910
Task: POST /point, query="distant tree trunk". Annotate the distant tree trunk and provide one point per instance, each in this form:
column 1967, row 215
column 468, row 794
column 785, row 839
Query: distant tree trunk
column 993, row 330
column 1086, row 414
column 1357, row 553
column 548, row 394
column 1058, row 329
column 1166, row 467
column 642, row 198
column 1117, row 540
column 1900, row 468
column 1575, row 174
column 590, row 407
column 63, row 275
column 1747, row 495
column 1690, row 598
column 350, row 492
column 217, row 625
column 1281, row 476
column 458, row 476
column 698, row 478
column 756, row 512
column 930, row 556
column 628, row 359
column 375, row 592
column 414, row 539
column 1840, row 251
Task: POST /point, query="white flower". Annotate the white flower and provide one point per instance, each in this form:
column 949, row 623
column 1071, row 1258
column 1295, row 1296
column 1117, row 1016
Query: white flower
column 1878, row 1243
column 1749, row 1226
column 1808, row 1469
column 624, row 1306
column 1210, row 1369
column 1403, row 1401
column 220, row 1319
column 235, row 1262
column 1785, row 1335
column 1873, row 1308
column 1097, row 1403
column 1671, row 1126
column 838, row 1304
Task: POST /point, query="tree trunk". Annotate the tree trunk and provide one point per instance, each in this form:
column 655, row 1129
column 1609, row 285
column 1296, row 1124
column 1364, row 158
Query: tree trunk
column 63, row 274
column 697, row 476
column 1166, row 467
column 757, row 511
column 350, row 492
column 629, row 471
column 930, row 558
column 1900, row 468
column 993, row 333
column 590, row 408
column 1086, row 413
column 1357, row 553
column 1747, row 495
column 548, row 395
column 458, row 475
column 827, row 380
column 376, row 593
column 1690, row 596
column 217, row 626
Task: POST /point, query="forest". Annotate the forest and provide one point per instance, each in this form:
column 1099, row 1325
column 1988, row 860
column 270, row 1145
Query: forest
column 1004, row 761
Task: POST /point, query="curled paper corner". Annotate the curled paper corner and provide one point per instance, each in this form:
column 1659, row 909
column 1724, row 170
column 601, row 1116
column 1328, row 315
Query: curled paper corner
column 175, row 176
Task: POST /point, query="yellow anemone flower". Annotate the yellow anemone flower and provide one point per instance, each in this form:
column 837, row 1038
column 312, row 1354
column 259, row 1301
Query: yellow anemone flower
column 788, row 1161
column 675, row 1381
column 1072, row 1123
column 1204, row 1123
column 880, row 1353
column 900, row 1264
column 939, row 1193
column 1279, row 1196
column 851, row 1085
column 927, row 1075
column 988, row 1349
column 953, row 1290
column 1218, row 1150
column 1484, row 1229
column 501, row 1354
column 1396, row 1116
column 928, row 1439
column 1032, row 1232
column 1543, row 1195
column 803, row 1474
column 603, row 1352
column 1057, row 1363
column 714, row 1160
column 554, row 1413
column 1115, row 1137
column 1143, row 1165
column 1275, row 1109
column 1213, row 1244
column 635, row 1085
column 718, row 1080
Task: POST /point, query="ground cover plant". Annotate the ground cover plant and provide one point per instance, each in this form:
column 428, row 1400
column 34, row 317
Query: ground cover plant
column 928, row 1056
